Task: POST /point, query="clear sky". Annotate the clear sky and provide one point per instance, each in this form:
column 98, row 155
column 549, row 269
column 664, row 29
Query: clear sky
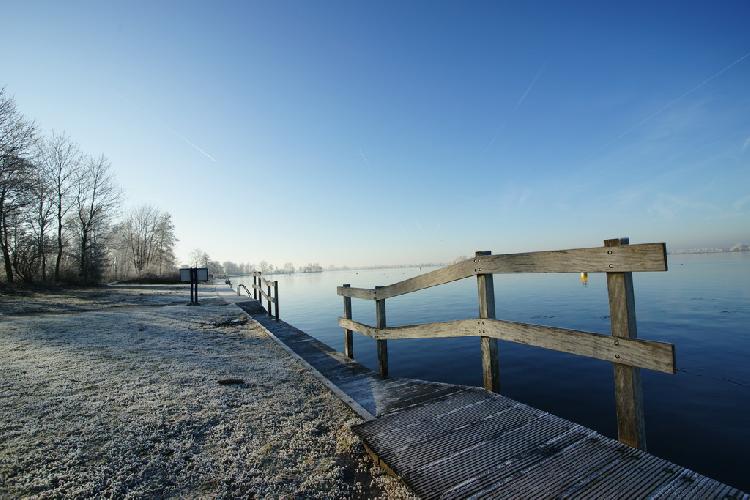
column 402, row 131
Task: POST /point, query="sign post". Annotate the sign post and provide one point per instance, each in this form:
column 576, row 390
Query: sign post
column 194, row 275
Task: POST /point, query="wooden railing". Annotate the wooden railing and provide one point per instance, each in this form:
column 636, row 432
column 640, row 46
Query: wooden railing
column 271, row 295
column 622, row 348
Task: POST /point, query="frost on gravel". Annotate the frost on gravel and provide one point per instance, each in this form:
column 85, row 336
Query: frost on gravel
column 126, row 402
column 21, row 301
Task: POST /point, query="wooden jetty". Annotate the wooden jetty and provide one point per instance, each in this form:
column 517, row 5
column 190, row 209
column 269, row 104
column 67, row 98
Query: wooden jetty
column 451, row 441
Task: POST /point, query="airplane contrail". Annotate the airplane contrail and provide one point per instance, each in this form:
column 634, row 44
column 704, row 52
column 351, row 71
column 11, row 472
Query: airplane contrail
column 515, row 108
column 163, row 123
column 679, row 98
column 528, row 89
column 192, row 145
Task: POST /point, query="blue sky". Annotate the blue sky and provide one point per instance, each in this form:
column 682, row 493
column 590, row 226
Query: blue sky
column 401, row 132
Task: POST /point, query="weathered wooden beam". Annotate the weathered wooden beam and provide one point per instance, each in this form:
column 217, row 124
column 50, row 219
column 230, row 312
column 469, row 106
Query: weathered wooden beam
column 643, row 257
column 264, row 295
column 348, row 334
column 382, row 344
column 630, row 258
column 490, row 361
column 265, row 282
column 357, row 293
column 269, row 297
column 631, row 428
column 649, row 354
column 276, row 298
column 447, row 274
column 653, row 355
column 447, row 329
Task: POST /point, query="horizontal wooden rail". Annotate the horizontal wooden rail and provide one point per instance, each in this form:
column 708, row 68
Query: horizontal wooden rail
column 627, row 258
column 357, row 293
column 658, row 356
column 264, row 294
column 264, row 281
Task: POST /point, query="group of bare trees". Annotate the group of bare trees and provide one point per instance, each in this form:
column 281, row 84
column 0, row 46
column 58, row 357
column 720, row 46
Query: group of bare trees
column 58, row 210
column 145, row 244
column 200, row 258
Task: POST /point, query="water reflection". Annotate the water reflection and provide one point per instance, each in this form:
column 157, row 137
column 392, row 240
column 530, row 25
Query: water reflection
column 584, row 279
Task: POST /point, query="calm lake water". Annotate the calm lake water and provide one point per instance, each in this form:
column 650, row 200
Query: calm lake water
column 698, row 418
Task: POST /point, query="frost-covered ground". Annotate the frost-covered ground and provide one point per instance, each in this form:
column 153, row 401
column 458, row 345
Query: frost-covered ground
column 94, row 298
column 115, row 392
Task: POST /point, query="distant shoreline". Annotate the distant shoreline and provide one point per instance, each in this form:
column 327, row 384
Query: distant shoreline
column 690, row 251
column 695, row 251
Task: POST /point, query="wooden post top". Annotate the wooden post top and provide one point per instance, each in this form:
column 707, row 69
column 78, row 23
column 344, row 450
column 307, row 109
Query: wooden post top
column 615, row 242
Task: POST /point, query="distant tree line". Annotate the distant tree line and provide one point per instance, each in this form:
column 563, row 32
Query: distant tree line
column 60, row 212
column 199, row 258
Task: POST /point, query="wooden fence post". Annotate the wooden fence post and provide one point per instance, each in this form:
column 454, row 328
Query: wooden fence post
column 348, row 336
column 628, row 392
column 192, row 292
column 268, row 297
column 490, row 362
column 255, row 290
column 276, row 297
column 382, row 344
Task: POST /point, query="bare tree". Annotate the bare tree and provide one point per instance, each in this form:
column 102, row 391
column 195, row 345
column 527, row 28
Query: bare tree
column 232, row 267
column 43, row 203
column 61, row 161
column 16, row 136
column 120, row 262
column 215, row 267
column 23, row 243
column 149, row 236
column 165, row 241
column 141, row 229
column 97, row 198
column 199, row 258
column 313, row 267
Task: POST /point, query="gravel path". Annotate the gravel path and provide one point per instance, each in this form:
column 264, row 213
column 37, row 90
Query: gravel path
column 125, row 402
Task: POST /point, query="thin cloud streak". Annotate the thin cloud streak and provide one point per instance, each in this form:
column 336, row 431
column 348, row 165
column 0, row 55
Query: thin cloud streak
column 515, row 108
column 192, row 145
column 163, row 123
column 528, row 89
column 679, row 98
